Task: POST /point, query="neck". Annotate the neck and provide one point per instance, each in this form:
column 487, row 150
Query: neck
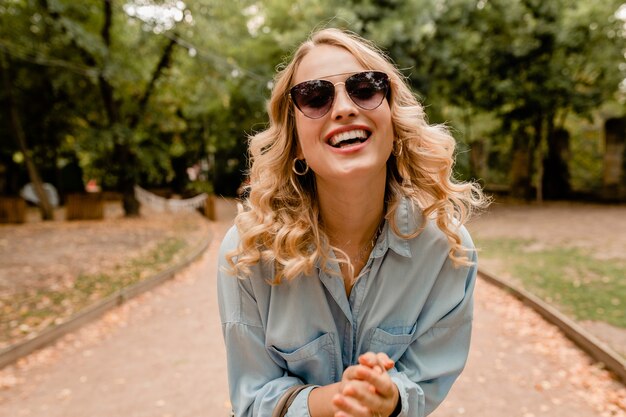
column 352, row 215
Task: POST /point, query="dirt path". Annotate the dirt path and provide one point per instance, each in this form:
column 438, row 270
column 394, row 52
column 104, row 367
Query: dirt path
column 162, row 355
column 521, row 366
column 598, row 230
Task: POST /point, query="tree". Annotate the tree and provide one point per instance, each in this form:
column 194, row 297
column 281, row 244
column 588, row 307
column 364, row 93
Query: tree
column 142, row 89
column 528, row 62
column 17, row 130
column 37, row 109
column 123, row 111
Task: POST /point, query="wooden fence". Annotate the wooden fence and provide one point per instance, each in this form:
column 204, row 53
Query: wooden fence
column 84, row 206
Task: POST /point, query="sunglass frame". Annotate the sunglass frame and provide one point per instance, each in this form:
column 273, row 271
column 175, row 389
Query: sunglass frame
column 294, row 94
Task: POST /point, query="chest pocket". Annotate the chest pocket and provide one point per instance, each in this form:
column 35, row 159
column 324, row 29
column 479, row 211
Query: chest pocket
column 313, row 363
column 394, row 342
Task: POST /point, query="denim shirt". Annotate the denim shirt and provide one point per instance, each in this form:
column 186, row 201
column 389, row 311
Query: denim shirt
column 409, row 302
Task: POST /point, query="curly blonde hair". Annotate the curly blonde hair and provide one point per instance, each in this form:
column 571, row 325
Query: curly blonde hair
column 279, row 221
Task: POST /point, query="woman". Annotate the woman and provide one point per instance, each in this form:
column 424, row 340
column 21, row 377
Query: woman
column 345, row 286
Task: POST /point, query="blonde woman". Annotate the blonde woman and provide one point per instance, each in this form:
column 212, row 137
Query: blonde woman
column 345, row 286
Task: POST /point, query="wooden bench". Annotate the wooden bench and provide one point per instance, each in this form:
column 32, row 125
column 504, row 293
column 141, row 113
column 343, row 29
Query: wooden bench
column 84, row 206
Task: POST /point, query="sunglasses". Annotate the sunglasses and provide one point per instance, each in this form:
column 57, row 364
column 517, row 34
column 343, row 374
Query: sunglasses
column 315, row 98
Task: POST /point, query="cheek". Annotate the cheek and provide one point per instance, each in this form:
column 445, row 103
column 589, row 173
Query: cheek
column 307, row 133
column 300, row 129
column 298, row 138
column 386, row 125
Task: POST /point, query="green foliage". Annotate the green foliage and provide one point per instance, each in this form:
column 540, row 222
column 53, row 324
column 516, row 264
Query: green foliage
column 199, row 187
column 487, row 68
column 587, row 161
column 528, row 63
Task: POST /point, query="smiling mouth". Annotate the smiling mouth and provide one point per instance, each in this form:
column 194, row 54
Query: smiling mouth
column 349, row 138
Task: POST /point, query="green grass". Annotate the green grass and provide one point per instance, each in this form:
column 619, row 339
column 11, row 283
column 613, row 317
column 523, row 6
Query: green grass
column 573, row 281
column 34, row 310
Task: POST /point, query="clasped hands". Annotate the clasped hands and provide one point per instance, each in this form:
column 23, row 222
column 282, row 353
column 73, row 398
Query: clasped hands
column 366, row 389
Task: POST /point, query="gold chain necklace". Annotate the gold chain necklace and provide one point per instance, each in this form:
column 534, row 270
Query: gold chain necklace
column 367, row 248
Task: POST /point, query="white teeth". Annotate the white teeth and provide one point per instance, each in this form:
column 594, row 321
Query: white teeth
column 351, row 134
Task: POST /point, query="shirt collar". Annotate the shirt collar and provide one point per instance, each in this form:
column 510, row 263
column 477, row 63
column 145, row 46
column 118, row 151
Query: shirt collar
column 406, row 221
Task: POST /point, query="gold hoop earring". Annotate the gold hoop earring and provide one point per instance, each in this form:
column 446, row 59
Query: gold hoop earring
column 294, row 167
column 397, row 152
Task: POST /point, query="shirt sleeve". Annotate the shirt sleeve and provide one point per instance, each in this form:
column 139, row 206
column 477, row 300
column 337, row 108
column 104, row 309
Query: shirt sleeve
column 300, row 406
column 426, row 371
column 256, row 381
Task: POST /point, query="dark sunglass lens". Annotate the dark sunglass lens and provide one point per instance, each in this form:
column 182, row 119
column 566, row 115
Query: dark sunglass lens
column 313, row 98
column 368, row 89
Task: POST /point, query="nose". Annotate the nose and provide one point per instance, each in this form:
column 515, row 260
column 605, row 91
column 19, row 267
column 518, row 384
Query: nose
column 343, row 106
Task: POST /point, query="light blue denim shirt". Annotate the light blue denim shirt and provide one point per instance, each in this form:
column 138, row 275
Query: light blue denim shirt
column 410, row 302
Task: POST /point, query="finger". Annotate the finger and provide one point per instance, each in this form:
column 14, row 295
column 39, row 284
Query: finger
column 371, row 361
column 340, row 413
column 385, row 361
column 380, row 359
column 371, row 398
column 363, row 373
column 358, row 389
column 356, row 372
column 365, row 393
column 368, row 359
column 349, row 406
column 381, row 382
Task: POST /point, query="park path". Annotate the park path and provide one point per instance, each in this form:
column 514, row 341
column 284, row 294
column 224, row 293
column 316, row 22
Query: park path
column 161, row 355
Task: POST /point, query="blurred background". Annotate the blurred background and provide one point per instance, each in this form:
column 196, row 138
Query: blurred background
column 141, row 92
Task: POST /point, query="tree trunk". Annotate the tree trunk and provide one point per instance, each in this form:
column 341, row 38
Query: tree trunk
column 478, row 159
column 521, row 163
column 47, row 211
column 556, row 181
column 127, row 161
column 540, row 134
column 615, row 144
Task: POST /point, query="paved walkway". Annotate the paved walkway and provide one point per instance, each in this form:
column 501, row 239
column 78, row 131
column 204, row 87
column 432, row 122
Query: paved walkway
column 161, row 355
